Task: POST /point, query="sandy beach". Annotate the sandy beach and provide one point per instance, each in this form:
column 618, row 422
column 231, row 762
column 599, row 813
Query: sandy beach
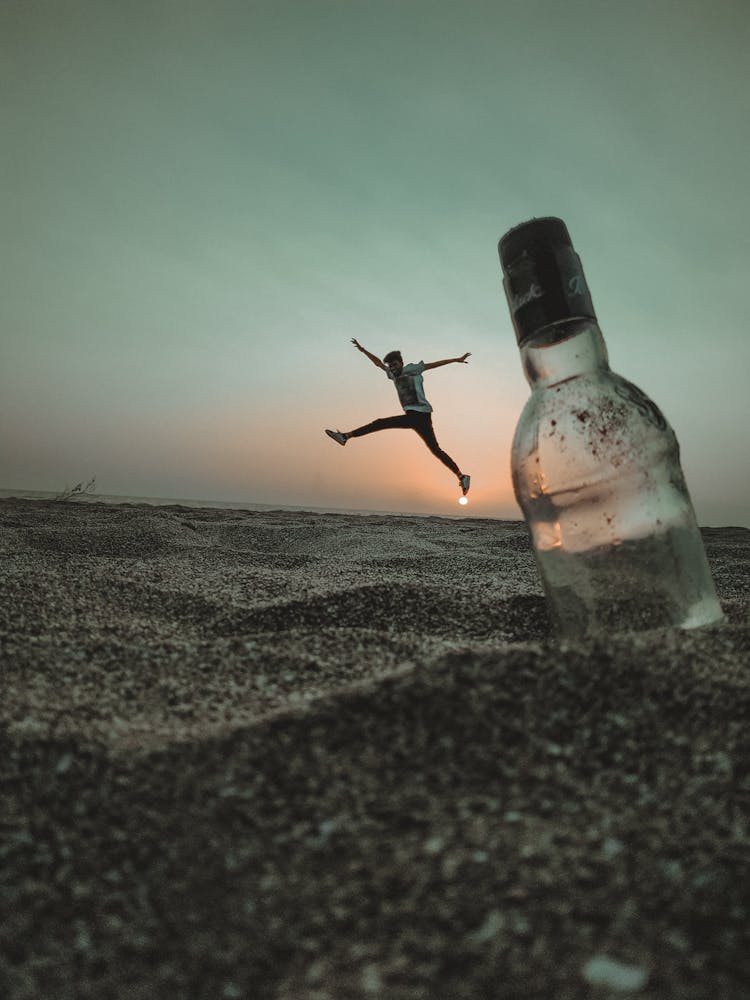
column 328, row 757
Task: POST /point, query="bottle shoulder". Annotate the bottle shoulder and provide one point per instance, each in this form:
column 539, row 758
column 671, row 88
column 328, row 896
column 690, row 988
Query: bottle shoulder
column 605, row 400
column 597, row 419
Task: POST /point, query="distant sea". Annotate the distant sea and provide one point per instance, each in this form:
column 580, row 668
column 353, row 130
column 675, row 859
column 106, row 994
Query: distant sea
column 220, row 504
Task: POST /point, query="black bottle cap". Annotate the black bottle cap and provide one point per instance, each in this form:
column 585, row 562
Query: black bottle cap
column 543, row 277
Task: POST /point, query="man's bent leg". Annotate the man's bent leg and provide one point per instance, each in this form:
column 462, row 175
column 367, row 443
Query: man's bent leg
column 422, row 424
column 382, row 424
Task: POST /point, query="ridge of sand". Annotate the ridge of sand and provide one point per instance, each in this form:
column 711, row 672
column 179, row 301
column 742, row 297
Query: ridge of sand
column 313, row 757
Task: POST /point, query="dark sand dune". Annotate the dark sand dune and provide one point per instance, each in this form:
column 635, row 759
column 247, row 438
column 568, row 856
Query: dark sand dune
column 318, row 757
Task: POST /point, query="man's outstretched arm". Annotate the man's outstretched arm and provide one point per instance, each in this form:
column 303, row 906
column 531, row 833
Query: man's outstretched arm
column 449, row 361
column 375, row 361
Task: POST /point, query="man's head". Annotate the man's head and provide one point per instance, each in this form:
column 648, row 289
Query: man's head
column 394, row 362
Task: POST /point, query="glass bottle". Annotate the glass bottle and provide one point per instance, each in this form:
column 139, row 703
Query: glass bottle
column 596, row 467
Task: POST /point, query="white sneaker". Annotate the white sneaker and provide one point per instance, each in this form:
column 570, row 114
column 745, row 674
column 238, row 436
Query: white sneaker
column 338, row 436
column 465, row 481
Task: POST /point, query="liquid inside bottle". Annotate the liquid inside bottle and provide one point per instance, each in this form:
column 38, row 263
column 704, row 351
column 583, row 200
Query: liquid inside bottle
column 596, row 472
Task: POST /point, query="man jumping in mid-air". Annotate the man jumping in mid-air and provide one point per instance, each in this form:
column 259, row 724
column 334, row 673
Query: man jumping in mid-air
column 417, row 411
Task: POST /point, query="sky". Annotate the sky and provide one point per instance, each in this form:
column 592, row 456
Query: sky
column 203, row 201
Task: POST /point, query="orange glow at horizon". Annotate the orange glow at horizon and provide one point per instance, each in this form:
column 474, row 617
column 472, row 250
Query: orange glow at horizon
column 235, row 453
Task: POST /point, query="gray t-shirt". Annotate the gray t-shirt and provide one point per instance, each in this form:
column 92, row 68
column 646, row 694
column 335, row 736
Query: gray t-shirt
column 410, row 387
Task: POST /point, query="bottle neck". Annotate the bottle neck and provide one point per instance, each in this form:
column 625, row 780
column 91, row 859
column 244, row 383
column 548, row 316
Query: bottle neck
column 563, row 351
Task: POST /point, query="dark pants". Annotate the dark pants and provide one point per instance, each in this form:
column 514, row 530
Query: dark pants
column 419, row 422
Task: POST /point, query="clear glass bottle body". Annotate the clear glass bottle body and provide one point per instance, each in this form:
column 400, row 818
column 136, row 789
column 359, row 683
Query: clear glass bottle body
column 596, row 471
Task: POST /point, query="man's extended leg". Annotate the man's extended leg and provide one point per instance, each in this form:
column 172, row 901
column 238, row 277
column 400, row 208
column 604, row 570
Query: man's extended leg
column 422, row 424
column 382, row 424
column 341, row 437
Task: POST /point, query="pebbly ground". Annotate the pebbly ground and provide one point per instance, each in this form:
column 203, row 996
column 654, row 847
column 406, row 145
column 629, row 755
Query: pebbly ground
column 322, row 757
